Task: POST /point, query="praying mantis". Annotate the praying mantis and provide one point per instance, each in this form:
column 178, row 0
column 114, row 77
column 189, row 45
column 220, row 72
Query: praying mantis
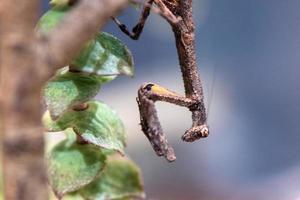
column 178, row 14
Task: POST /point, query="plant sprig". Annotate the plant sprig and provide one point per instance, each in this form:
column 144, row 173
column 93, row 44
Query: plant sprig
column 85, row 163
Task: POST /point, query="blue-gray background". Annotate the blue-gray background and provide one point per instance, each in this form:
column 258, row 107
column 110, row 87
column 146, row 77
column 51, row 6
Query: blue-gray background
column 248, row 56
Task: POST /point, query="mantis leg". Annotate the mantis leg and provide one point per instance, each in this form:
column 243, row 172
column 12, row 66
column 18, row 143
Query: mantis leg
column 138, row 29
column 148, row 94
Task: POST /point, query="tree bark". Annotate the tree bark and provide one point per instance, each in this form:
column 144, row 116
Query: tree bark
column 26, row 62
column 21, row 129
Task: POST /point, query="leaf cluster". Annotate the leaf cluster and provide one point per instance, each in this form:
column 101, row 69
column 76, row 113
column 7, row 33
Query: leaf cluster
column 89, row 163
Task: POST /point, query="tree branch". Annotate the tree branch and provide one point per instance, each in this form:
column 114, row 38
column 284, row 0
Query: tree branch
column 57, row 48
column 21, row 128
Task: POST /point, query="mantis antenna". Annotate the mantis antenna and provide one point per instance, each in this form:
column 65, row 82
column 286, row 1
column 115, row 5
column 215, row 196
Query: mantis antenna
column 211, row 91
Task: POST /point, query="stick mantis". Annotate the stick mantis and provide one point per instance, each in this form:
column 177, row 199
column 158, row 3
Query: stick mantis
column 178, row 13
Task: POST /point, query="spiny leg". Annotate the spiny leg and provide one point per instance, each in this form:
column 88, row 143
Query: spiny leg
column 152, row 128
column 184, row 32
column 138, row 29
column 148, row 94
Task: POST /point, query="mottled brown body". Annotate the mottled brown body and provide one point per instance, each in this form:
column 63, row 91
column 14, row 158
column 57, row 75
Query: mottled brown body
column 149, row 93
column 172, row 5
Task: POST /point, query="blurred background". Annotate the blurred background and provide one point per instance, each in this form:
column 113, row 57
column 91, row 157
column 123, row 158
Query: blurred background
column 248, row 57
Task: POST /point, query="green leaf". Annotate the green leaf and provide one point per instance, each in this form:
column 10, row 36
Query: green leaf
column 50, row 19
column 121, row 179
column 72, row 166
column 49, row 123
column 98, row 125
column 105, row 56
column 68, row 89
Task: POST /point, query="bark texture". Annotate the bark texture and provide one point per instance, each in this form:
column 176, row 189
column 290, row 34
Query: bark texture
column 26, row 62
column 22, row 139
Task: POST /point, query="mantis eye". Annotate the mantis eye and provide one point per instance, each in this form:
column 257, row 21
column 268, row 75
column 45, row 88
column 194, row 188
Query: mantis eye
column 204, row 131
column 148, row 86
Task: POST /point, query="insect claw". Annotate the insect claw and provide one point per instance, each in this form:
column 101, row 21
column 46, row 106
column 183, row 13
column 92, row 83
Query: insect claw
column 195, row 133
column 170, row 155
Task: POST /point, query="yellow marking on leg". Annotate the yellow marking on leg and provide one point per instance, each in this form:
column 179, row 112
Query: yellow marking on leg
column 162, row 91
